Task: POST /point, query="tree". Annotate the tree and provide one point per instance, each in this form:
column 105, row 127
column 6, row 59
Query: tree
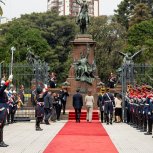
column 141, row 35
column 109, row 37
column 47, row 34
column 140, row 13
column 127, row 9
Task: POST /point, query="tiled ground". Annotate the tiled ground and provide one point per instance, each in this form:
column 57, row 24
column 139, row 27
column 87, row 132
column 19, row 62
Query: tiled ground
column 128, row 139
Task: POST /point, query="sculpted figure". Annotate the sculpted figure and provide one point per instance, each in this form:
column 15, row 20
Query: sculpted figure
column 83, row 17
column 128, row 57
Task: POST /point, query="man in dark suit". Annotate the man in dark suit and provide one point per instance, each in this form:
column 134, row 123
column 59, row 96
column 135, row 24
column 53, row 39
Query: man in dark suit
column 77, row 104
column 48, row 104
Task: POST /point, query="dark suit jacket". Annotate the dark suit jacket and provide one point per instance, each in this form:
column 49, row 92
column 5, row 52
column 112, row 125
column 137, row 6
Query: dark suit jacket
column 77, row 101
column 48, row 101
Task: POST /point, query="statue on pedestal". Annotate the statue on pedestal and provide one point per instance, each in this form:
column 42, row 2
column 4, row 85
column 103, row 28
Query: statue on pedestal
column 83, row 17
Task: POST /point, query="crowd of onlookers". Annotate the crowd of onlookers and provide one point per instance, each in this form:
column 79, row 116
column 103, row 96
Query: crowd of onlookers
column 15, row 100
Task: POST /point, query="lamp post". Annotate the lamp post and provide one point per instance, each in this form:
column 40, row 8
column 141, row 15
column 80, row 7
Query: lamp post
column 12, row 52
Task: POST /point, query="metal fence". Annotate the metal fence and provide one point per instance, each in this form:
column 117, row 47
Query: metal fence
column 22, row 74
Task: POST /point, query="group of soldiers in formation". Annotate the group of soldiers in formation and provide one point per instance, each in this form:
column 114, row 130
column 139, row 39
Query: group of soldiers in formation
column 139, row 108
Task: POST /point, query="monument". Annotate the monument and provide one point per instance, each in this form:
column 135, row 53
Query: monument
column 83, row 73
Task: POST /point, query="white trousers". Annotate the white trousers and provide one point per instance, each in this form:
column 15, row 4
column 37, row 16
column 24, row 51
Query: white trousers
column 89, row 113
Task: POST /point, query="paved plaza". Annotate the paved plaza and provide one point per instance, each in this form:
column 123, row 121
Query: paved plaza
column 22, row 137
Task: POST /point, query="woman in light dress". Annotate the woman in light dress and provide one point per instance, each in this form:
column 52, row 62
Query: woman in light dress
column 89, row 101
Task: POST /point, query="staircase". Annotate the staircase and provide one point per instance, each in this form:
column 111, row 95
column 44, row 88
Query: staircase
column 95, row 115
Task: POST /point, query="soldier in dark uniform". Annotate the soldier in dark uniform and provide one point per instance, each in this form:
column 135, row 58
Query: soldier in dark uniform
column 39, row 110
column 108, row 100
column 3, row 110
column 100, row 104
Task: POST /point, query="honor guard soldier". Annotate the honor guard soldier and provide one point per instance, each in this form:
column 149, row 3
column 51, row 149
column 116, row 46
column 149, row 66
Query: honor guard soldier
column 108, row 100
column 100, row 104
column 3, row 108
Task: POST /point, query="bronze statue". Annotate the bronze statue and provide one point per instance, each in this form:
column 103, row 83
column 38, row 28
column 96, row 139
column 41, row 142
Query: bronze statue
column 83, row 70
column 83, row 17
column 128, row 57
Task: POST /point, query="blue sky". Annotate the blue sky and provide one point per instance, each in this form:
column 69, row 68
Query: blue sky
column 14, row 8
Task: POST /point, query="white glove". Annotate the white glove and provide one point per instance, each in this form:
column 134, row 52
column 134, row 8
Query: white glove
column 149, row 113
column 10, row 77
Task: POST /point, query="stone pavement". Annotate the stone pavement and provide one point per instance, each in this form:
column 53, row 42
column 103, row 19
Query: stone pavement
column 22, row 137
column 128, row 139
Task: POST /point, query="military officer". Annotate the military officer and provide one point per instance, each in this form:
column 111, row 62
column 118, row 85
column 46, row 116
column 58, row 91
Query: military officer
column 3, row 108
column 108, row 100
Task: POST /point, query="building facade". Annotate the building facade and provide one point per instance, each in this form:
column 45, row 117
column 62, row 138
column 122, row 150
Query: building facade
column 69, row 7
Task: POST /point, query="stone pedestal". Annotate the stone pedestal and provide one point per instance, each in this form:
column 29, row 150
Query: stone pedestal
column 80, row 46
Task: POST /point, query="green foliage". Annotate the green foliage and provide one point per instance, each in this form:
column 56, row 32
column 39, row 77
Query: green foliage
column 141, row 36
column 47, row 34
column 133, row 11
column 140, row 13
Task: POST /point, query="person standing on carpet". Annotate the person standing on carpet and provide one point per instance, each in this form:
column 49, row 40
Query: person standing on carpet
column 89, row 101
column 100, row 104
column 108, row 100
column 77, row 104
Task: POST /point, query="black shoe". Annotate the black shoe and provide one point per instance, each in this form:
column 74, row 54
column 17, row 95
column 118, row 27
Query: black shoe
column 107, row 123
column 110, row 122
column 2, row 144
column 46, row 122
column 148, row 133
column 38, row 129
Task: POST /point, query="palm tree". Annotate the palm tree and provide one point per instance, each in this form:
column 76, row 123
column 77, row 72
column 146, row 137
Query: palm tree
column 1, row 11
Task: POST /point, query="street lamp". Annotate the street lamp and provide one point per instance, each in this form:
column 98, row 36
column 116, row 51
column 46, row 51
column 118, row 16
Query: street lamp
column 12, row 52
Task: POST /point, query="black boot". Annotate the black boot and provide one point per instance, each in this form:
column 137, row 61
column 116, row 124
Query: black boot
column 2, row 144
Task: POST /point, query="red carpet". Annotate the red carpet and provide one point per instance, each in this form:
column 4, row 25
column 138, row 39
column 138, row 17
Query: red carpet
column 81, row 138
column 95, row 115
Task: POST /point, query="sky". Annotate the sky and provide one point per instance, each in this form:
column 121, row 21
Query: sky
column 14, row 8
